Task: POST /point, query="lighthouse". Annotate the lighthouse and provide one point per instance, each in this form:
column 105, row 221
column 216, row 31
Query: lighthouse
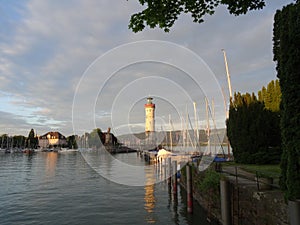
column 149, row 116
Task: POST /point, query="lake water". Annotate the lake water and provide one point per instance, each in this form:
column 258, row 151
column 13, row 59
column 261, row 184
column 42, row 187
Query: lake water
column 55, row 188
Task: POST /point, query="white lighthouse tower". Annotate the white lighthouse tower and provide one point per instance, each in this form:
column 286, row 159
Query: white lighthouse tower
column 149, row 116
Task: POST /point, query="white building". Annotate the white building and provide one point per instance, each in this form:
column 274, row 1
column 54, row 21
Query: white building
column 52, row 139
column 149, row 116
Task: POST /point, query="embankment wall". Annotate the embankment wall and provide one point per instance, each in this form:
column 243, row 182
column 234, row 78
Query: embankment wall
column 248, row 204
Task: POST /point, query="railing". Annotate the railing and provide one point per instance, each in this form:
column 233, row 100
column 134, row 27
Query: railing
column 263, row 181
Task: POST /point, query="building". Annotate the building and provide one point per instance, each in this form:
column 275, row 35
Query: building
column 109, row 138
column 150, row 123
column 52, row 139
column 149, row 116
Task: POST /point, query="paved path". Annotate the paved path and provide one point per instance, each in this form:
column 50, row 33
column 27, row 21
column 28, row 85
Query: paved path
column 240, row 176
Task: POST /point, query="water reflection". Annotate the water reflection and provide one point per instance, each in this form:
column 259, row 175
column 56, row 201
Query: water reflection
column 32, row 188
column 175, row 209
column 149, row 196
column 51, row 161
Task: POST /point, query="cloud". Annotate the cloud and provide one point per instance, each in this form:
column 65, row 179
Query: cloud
column 46, row 46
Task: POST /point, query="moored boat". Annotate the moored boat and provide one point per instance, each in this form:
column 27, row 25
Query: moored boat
column 28, row 151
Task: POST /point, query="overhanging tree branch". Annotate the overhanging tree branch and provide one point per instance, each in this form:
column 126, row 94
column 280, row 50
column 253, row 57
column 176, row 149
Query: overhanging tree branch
column 164, row 13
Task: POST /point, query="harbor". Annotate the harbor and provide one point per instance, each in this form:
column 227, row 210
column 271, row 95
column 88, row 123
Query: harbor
column 174, row 163
column 52, row 188
column 150, row 112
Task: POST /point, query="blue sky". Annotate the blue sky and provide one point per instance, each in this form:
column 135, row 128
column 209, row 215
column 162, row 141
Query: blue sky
column 48, row 46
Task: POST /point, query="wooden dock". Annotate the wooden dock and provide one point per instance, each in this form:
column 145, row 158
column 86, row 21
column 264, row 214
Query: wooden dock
column 148, row 155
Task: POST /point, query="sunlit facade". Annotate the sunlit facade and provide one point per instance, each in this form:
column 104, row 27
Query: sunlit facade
column 52, row 139
column 149, row 116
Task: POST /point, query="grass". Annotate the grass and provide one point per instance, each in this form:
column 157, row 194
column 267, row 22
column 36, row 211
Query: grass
column 265, row 170
column 273, row 170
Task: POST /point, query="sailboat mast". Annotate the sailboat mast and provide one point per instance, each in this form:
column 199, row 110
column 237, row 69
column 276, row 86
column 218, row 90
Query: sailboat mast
column 227, row 73
column 208, row 127
column 230, row 94
column 196, row 122
column 187, row 126
column 171, row 138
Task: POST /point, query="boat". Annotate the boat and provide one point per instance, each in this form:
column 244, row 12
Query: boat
column 28, row 151
column 163, row 153
column 67, row 150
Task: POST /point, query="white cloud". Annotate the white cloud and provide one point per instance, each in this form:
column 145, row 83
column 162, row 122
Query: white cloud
column 48, row 45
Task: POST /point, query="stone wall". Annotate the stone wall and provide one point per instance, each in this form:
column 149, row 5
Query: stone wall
column 248, row 204
column 251, row 206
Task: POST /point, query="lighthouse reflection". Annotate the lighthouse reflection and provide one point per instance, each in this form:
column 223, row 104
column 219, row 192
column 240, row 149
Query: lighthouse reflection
column 149, row 198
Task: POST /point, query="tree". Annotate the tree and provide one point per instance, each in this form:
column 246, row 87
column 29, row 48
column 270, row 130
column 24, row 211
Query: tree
column 19, row 141
column 96, row 138
column 286, row 49
column 32, row 141
column 253, row 131
column 4, row 141
column 71, row 142
column 271, row 96
column 164, row 13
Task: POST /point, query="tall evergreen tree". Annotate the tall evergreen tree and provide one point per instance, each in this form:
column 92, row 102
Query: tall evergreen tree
column 271, row 96
column 286, row 48
column 253, row 131
column 277, row 94
column 32, row 141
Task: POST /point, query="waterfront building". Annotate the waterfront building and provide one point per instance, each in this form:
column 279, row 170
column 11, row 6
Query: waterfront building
column 52, row 139
column 109, row 138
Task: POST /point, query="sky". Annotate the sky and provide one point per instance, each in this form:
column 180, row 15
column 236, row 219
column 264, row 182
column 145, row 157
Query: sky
column 72, row 66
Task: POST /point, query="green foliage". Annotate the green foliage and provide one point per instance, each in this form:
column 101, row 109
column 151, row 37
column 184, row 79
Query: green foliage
column 17, row 141
column 164, row 13
column 271, row 96
column 32, row 140
column 253, row 131
column 71, row 142
column 286, row 49
column 96, row 138
column 4, row 141
column 210, row 182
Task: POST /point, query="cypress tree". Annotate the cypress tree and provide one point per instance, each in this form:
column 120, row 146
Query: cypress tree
column 271, row 96
column 31, row 141
column 253, row 131
column 264, row 93
column 286, row 48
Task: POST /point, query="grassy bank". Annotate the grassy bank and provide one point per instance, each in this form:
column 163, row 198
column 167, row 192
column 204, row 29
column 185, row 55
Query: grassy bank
column 271, row 171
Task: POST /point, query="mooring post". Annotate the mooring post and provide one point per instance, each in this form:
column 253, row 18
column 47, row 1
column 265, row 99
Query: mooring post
column 165, row 169
column 160, row 169
column 157, row 168
column 189, row 189
column 225, row 202
column 169, row 172
column 175, row 177
column 294, row 212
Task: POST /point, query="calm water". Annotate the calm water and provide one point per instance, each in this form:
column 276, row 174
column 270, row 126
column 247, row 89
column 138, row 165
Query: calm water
column 52, row 188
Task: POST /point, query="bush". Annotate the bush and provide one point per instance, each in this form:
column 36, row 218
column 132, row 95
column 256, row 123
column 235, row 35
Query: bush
column 210, row 182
